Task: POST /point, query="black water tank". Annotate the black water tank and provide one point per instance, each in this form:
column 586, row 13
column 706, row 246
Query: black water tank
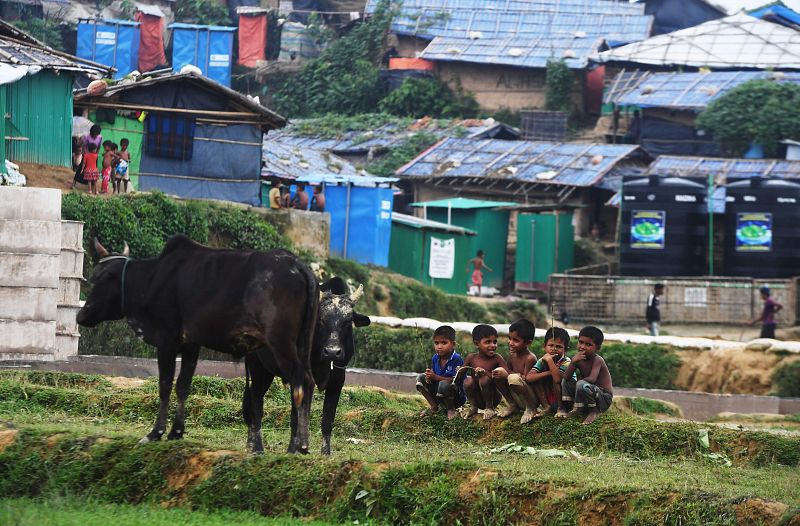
column 762, row 228
column 664, row 227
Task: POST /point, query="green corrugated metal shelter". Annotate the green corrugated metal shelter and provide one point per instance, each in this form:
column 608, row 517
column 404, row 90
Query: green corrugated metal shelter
column 488, row 218
column 36, row 98
column 413, row 239
column 545, row 245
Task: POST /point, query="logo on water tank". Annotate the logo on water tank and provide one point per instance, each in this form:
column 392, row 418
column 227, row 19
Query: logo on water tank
column 648, row 229
column 753, row 232
column 683, row 198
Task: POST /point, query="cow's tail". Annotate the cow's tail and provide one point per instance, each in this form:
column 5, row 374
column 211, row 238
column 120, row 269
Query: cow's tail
column 305, row 340
column 247, row 405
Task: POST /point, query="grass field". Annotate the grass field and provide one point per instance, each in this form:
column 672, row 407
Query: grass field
column 73, row 437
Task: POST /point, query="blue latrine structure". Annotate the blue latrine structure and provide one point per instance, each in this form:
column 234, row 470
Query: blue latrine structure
column 110, row 42
column 209, row 48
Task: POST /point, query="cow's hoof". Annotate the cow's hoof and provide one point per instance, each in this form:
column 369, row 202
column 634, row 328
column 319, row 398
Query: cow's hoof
column 175, row 435
column 257, row 452
column 326, row 451
column 292, row 448
column 303, row 450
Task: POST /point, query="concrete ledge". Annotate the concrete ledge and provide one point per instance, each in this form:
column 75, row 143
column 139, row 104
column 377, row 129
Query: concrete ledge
column 23, row 303
column 72, row 235
column 30, row 237
column 29, row 270
column 37, row 337
column 42, row 204
column 695, row 406
column 69, row 291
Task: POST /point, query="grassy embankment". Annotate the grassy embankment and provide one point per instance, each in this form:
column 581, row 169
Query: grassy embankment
column 76, row 435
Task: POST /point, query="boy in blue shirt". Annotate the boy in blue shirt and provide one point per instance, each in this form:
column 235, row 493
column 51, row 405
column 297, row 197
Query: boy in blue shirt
column 436, row 383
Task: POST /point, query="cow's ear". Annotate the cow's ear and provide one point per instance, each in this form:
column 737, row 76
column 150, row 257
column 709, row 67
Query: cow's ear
column 359, row 320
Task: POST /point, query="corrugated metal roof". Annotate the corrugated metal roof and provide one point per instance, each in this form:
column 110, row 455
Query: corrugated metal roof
column 356, row 180
column 724, row 169
column 479, row 23
column 738, row 41
column 572, row 164
column 463, row 203
column 732, row 7
column 287, row 160
column 691, row 90
column 19, row 49
column 516, row 51
column 427, row 224
column 556, row 6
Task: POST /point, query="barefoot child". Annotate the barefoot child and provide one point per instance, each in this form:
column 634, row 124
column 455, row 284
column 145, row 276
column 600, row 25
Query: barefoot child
column 90, row 167
column 121, row 171
column 478, row 264
column 511, row 383
column 108, row 161
column 546, row 375
column 436, row 383
column 594, row 392
column 480, row 387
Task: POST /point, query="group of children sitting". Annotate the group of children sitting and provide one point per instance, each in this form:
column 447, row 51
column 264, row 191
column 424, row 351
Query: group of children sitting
column 539, row 387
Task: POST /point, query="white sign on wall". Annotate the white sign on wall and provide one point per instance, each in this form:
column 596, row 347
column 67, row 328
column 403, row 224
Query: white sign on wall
column 695, row 297
column 443, row 258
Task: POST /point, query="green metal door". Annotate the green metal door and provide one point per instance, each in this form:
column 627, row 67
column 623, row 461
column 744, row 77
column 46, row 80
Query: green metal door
column 545, row 245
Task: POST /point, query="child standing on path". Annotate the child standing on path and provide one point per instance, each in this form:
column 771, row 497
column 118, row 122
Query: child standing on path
column 121, row 172
column 90, row 167
column 594, row 392
column 767, row 318
column 480, row 387
column 511, row 383
column 108, row 162
column 436, row 383
column 547, row 374
column 478, row 264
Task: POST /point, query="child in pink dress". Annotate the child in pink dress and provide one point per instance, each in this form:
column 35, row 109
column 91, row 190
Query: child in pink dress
column 90, row 167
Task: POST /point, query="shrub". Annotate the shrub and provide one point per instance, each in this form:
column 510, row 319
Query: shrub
column 761, row 111
column 379, row 347
column 412, row 299
column 428, row 97
column 401, row 154
column 645, row 366
column 558, row 94
column 786, row 380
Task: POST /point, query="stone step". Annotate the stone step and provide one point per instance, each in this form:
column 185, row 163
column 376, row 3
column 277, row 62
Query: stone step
column 42, row 204
column 32, row 337
column 26, row 303
column 65, row 319
column 71, row 263
column 72, row 234
column 69, row 291
column 29, row 270
column 30, row 236
column 66, row 345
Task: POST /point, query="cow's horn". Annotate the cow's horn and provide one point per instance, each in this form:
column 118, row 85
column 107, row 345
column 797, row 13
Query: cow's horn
column 354, row 296
column 127, row 250
column 100, row 249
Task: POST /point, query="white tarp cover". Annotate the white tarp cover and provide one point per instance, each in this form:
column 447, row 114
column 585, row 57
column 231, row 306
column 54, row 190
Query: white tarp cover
column 734, row 6
column 738, row 41
column 9, row 74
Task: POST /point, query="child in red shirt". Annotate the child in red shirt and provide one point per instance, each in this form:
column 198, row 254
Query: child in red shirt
column 90, row 167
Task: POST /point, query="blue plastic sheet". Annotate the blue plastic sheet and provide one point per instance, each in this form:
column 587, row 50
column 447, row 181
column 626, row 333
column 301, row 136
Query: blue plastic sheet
column 210, row 48
column 110, row 42
column 369, row 227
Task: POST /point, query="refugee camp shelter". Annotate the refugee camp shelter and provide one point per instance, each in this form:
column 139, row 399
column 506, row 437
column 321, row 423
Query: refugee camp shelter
column 361, row 215
column 36, row 98
column 526, row 172
column 489, row 219
column 739, row 41
column 199, row 139
column 498, row 50
column 670, row 103
column 674, row 15
column 431, row 252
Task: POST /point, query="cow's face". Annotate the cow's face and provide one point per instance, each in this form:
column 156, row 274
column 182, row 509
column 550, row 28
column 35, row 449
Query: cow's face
column 105, row 299
column 335, row 326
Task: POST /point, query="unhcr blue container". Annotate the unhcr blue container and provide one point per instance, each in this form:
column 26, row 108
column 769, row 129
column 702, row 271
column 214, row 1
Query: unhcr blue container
column 210, row 48
column 110, row 42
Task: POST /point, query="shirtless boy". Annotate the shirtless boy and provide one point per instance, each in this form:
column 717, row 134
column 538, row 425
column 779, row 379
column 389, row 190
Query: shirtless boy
column 511, row 382
column 594, row 392
column 478, row 264
column 480, row 387
column 546, row 375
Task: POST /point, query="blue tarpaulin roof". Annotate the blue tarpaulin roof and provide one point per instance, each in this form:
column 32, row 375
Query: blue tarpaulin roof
column 778, row 13
column 356, row 180
column 572, row 164
column 530, row 52
column 290, row 161
column 478, row 22
column 724, row 169
column 559, row 6
column 692, row 91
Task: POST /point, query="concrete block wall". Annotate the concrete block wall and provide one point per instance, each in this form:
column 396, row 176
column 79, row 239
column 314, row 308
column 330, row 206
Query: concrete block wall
column 39, row 276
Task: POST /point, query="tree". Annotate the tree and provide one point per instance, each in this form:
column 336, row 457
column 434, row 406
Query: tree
column 760, row 111
column 558, row 96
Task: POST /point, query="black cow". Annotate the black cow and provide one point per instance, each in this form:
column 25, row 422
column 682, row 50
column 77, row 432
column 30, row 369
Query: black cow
column 333, row 349
column 262, row 305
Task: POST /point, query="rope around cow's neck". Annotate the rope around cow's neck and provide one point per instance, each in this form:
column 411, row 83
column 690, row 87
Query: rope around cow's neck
column 122, row 280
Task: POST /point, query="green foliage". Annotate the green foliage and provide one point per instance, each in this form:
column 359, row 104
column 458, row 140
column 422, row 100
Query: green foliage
column 396, row 157
column 348, row 269
column 645, row 366
column 588, row 252
column 506, row 116
column 344, row 78
column 207, row 12
column 649, row 406
column 560, row 80
column 428, row 97
column 45, row 30
column 760, row 111
column 786, row 380
column 412, row 299
column 333, row 125
column 379, row 347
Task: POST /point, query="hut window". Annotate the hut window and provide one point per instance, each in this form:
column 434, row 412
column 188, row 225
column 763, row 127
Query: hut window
column 169, row 136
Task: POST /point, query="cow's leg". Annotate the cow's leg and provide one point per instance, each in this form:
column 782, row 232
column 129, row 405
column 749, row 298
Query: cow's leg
column 166, row 375
column 332, row 393
column 183, row 385
column 293, row 438
column 302, row 392
column 260, row 380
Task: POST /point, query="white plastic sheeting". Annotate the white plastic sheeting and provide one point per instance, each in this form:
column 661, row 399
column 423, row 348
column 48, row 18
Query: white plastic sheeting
column 10, row 73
